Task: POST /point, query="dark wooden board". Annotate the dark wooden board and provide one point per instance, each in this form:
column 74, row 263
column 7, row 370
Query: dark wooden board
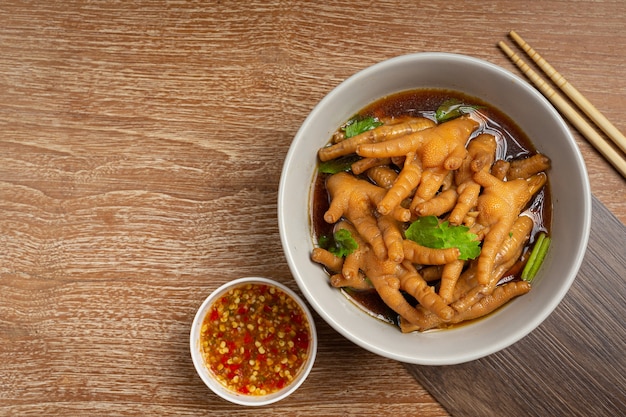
column 573, row 364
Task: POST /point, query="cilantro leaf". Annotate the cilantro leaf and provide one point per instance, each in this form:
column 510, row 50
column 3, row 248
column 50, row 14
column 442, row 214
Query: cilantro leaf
column 358, row 125
column 340, row 244
column 340, row 164
column 427, row 231
column 451, row 109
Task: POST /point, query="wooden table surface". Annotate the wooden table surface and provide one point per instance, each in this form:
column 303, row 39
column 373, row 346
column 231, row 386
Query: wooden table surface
column 141, row 145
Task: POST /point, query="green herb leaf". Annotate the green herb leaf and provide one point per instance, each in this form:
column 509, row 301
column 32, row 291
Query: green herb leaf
column 451, row 109
column 340, row 244
column 536, row 258
column 427, row 231
column 340, row 164
column 358, row 125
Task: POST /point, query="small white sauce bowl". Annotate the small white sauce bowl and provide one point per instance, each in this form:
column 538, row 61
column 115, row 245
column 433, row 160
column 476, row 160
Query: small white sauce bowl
column 209, row 379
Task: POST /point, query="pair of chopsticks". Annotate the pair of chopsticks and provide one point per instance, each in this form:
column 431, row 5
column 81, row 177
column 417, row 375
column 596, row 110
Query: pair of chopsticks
column 597, row 141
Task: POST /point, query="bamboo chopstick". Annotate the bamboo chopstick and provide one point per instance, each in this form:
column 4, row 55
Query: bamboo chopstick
column 566, row 109
column 589, row 109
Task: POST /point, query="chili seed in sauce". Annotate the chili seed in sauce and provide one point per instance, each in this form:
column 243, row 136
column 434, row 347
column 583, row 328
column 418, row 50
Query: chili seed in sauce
column 255, row 339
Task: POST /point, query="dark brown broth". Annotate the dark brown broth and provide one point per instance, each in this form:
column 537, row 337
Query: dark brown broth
column 512, row 143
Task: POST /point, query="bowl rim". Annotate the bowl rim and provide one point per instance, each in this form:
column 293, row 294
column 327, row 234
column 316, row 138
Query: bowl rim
column 205, row 374
column 528, row 326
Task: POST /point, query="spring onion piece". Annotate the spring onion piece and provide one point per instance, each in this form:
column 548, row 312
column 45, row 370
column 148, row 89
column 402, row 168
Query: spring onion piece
column 536, row 258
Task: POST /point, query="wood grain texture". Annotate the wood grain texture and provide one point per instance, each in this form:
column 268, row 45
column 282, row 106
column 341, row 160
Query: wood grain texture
column 141, row 145
column 571, row 365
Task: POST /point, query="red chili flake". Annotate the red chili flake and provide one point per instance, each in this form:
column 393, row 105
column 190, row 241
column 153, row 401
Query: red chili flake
column 214, row 315
column 296, row 318
column 301, row 340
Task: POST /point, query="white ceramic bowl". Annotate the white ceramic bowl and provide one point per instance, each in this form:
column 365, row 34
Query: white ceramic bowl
column 571, row 200
column 209, row 378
